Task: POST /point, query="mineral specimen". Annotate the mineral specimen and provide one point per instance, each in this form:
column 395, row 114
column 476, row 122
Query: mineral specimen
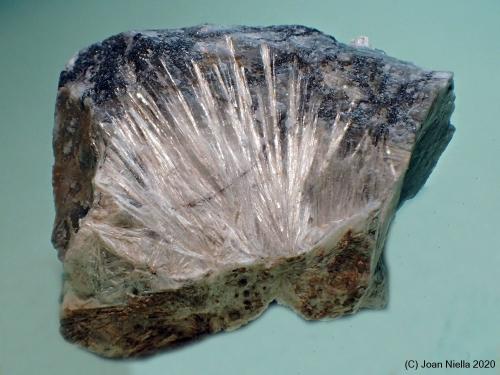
column 202, row 173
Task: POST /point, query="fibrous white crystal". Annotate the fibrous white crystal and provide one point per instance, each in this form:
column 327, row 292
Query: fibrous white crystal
column 202, row 173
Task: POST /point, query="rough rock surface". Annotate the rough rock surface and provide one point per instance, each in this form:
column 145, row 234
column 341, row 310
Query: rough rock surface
column 202, row 173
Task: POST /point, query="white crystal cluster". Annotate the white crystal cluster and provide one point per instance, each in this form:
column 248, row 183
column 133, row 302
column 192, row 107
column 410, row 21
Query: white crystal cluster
column 202, row 173
column 220, row 173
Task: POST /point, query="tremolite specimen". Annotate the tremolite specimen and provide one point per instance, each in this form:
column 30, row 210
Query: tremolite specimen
column 202, row 173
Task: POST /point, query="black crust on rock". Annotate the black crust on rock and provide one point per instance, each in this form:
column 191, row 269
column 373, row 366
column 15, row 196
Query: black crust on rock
column 104, row 59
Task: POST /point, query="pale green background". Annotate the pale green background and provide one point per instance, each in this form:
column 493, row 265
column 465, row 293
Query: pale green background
column 443, row 252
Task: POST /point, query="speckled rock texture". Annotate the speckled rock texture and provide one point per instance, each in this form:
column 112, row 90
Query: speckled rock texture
column 202, row 173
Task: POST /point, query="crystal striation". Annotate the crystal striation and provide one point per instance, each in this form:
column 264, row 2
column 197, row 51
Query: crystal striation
column 202, row 173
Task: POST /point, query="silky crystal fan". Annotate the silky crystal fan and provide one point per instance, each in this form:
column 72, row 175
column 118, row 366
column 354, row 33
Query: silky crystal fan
column 202, row 173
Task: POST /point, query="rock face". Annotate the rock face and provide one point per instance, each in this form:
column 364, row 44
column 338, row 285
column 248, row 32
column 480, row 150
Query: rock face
column 202, row 173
